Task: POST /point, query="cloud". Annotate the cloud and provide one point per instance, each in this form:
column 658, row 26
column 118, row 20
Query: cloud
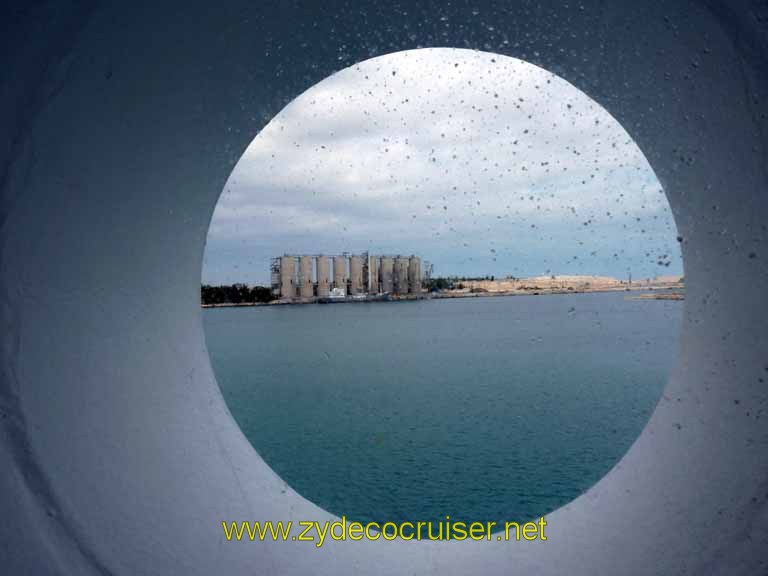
column 481, row 163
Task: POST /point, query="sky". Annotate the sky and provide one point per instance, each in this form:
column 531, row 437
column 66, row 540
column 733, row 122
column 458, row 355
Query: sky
column 481, row 164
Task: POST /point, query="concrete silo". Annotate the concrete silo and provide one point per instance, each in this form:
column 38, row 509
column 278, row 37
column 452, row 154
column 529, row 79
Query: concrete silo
column 414, row 275
column 387, row 274
column 287, row 277
column 305, row 277
column 401, row 275
column 356, row 275
column 323, row 276
column 373, row 275
column 340, row 273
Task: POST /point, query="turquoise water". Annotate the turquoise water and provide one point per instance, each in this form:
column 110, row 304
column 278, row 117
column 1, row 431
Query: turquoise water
column 487, row 409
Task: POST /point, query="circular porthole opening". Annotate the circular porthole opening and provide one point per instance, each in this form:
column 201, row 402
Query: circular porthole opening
column 442, row 282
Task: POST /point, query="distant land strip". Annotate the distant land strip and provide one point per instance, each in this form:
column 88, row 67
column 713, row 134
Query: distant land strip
column 659, row 288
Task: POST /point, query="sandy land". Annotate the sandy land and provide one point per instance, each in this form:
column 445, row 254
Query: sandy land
column 658, row 296
column 560, row 285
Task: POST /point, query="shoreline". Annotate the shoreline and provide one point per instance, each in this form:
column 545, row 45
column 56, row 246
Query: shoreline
column 663, row 292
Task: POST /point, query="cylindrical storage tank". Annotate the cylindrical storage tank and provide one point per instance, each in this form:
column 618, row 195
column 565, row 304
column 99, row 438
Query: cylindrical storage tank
column 323, row 276
column 373, row 275
column 305, row 277
column 414, row 275
column 356, row 275
column 287, row 277
column 340, row 272
column 401, row 275
column 387, row 274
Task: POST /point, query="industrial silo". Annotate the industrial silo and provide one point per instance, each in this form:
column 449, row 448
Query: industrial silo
column 356, row 275
column 414, row 275
column 323, row 276
column 373, row 275
column 387, row 274
column 287, row 277
column 401, row 275
column 340, row 273
column 305, row 277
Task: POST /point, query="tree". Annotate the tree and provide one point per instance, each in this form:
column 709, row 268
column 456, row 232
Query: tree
column 235, row 294
column 437, row 284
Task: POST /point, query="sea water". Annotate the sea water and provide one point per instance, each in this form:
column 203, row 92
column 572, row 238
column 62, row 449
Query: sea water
column 487, row 409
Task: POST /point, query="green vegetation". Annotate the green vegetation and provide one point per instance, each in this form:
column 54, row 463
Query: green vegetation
column 437, row 284
column 235, row 294
column 451, row 282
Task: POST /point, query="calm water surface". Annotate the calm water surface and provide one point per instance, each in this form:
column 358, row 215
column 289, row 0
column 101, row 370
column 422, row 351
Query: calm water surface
column 478, row 409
